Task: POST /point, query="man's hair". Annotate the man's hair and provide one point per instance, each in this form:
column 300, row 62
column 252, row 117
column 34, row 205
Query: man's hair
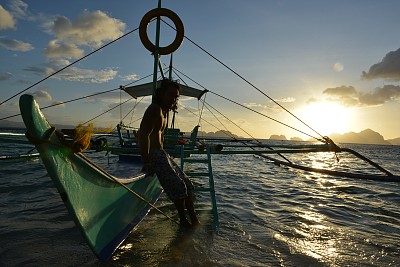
column 165, row 85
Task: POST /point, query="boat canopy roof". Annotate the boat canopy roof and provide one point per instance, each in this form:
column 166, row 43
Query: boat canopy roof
column 147, row 90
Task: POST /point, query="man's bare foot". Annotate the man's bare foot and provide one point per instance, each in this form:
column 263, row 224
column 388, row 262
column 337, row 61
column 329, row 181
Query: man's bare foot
column 185, row 224
column 196, row 223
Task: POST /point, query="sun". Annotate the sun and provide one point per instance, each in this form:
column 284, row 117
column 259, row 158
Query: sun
column 327, row 117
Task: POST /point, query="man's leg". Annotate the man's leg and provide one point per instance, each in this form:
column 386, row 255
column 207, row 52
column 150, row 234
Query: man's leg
column 192, row 213
column 180, row 206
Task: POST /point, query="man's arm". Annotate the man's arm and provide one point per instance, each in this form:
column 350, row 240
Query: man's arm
column 146, row 128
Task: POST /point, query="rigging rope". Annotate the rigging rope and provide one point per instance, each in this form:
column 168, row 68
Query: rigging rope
column 129, row 99
column 255, row 139
column 259, row 90
column 69, row 65
column 80, row 98
column 322, row 140
column 202, row 108
column 61, row 144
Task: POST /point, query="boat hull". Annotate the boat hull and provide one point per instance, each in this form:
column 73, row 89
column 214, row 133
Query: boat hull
column 101, row 207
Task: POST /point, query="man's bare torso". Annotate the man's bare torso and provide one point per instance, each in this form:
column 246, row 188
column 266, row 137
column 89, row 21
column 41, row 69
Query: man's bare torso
column 157, row 135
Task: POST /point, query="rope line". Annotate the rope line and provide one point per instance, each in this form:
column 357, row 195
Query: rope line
column 69, row 65
column 79, row 98
column 129, row 189
column 46, row 139
column 323, row 140
column 255, row 139
column 255, row 87
column 101, row 114
column 252, row 85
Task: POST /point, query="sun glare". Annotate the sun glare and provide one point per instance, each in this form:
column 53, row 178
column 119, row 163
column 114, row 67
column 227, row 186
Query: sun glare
column 327, row 117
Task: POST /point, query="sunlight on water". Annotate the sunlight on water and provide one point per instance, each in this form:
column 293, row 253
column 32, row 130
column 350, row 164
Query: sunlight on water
column 322, row 160
column 311, row 237
column 12, row 134
column 269, row 216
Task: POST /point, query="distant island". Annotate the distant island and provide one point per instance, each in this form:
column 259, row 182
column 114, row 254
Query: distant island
column 218, row 134
column 367, row 136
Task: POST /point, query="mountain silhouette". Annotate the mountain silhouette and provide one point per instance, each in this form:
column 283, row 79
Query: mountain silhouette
column 366, row 136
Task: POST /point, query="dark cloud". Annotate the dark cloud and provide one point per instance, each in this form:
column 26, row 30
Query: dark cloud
column 40, row 70
column 19, row 9
column 15, row 45
column 341, row 91
column 5, row 76
column 24, row 82
column 388, row 68
column 380, row 95
column 41, row 94
column 58, row 103
column 73, row 73
column 349, row 96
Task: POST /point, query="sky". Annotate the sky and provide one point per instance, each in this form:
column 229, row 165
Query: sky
column 334, row 65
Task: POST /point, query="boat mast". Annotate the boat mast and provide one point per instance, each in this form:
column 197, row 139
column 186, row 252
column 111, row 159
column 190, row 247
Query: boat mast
column 156, row 53
column 170, row 77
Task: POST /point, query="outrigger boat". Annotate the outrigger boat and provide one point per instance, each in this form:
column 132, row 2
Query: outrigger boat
column 102, row 206
column 106, row 208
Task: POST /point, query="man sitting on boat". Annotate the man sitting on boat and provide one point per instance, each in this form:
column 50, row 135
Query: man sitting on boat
column 156, row 160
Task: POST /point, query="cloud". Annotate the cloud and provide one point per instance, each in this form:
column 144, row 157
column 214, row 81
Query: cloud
column 72, row 73
column 311, row 100
column 87, row 75
column 91, row 29
column 349, row 96
column 260, row 107
column 270, row 106
column 19, row 9
column 341, row 91
column 41, row 94
column 132, row 77
column 59, row 50
column 255, row 105
column 381, row 95
column 286, row 100
column 15, row 45
column 24, row 82
column 388, row 68
column 109, row 97
column 58, row 103
column 40, row 70
column 5, row 76
column 6, row 19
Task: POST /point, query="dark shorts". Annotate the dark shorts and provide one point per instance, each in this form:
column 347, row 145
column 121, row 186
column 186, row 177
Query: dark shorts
column 175, row 183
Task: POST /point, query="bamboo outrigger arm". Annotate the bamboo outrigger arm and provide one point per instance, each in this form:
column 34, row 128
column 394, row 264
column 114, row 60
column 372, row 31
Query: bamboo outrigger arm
column 296, row 149
column 383, row 178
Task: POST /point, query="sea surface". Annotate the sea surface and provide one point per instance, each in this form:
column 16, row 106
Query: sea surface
column 269, row 216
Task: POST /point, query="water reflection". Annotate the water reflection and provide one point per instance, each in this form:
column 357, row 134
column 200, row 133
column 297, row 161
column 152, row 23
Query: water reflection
column 312, row 236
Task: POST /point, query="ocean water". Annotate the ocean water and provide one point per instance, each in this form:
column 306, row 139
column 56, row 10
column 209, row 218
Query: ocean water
column 269, row 216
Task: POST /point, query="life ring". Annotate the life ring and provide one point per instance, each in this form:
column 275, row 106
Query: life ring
column 165, row 50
